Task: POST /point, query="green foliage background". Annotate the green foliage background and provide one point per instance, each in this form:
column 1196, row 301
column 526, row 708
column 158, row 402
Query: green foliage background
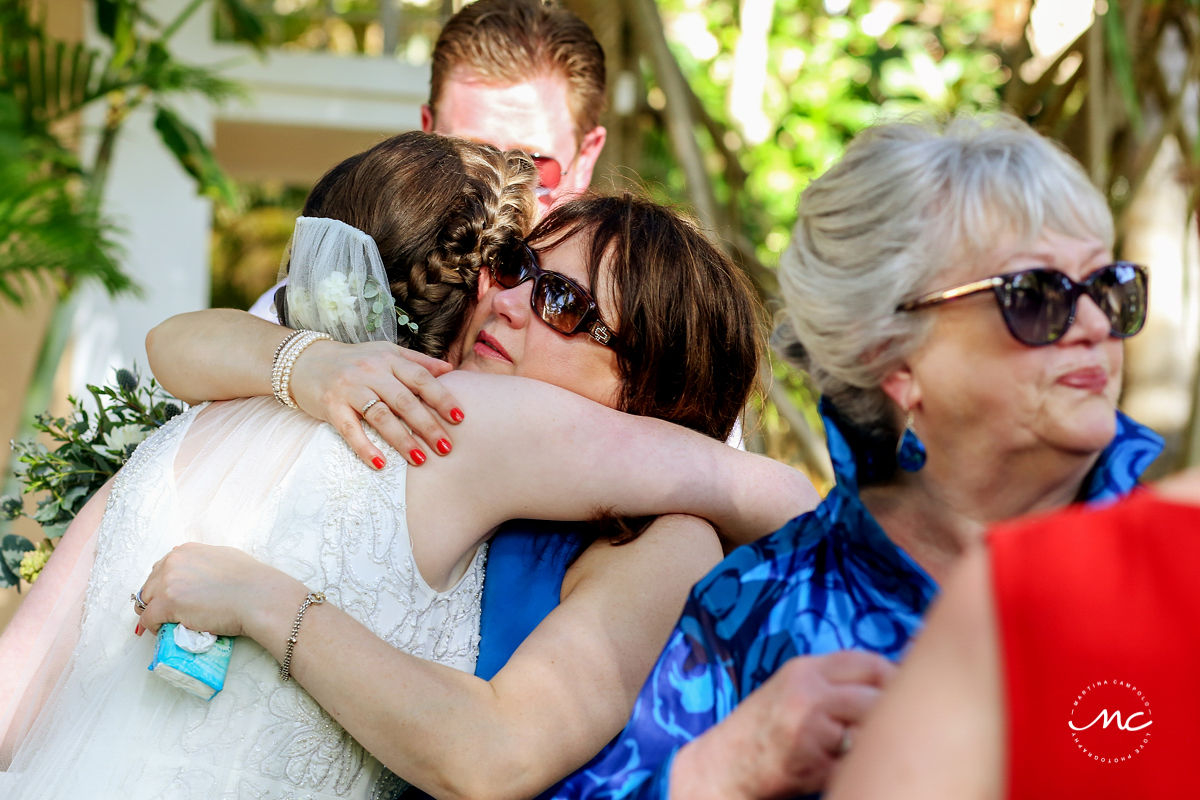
column 826, row 80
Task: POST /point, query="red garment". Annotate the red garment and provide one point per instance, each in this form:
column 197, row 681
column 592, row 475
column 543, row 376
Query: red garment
column 1099, row 628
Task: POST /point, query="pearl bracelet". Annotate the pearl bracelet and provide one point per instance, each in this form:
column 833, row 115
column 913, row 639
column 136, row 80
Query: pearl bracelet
column 285, row 667
column 285, row 358
column 276, row 365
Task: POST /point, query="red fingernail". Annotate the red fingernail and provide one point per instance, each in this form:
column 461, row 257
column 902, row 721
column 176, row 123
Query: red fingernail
column 443, row 446
column 378, row 462
column 456, row 414
column 417, row 456
column 139, row 630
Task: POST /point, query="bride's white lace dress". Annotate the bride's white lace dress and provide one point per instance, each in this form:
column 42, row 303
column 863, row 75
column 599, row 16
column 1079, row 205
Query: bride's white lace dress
column 285, row 488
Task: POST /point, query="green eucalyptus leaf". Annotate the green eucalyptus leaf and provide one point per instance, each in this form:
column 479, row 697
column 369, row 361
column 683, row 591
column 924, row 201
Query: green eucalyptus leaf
column 8, row 577
column 76, row 496
column 11, row 507
column 13, row 548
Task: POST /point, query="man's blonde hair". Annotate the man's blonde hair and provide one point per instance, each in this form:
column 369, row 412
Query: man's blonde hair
column 511, row 41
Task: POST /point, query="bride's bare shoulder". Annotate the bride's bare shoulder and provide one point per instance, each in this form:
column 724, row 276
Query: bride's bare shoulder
column 507, row 389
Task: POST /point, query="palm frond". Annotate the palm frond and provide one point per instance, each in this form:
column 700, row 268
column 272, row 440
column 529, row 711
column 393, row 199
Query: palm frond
column 45, row 227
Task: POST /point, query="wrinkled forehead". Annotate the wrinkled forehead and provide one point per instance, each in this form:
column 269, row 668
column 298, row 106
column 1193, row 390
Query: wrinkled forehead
column 532, row 115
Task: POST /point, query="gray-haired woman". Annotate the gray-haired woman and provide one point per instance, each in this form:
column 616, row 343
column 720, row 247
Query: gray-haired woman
column 952, row 291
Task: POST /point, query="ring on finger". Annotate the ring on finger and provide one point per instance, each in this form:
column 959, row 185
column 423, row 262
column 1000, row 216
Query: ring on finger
column 138, row 602
column 367, row 407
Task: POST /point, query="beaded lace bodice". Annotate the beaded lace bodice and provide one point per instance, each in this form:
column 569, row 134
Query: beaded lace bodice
column 297, row 498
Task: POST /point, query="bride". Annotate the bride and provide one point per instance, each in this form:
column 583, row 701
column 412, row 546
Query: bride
column 397, row 548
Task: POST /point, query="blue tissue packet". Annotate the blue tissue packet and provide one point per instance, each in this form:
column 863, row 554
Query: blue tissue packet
column 201, row 674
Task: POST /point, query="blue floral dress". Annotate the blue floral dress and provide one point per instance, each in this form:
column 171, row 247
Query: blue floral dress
column 828, row 580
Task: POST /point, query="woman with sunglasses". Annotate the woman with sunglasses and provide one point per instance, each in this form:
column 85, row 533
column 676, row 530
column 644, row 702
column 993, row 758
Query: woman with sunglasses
column 952, row 291
column 366, row 568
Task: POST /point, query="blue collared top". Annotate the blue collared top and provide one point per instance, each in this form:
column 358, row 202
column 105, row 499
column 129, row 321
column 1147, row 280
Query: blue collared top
column 828, row 580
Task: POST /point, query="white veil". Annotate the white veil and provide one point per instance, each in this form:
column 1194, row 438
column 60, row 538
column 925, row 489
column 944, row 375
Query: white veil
column 337, row 283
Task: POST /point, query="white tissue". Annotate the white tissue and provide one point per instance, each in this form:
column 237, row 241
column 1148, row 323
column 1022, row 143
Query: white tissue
column 194, row 641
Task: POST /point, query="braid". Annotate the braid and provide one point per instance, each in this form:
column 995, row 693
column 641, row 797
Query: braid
column 495, row 205
column 437, row 208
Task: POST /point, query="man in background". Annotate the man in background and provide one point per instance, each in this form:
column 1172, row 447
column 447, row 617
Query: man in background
column 523, row 75
column 517, row 74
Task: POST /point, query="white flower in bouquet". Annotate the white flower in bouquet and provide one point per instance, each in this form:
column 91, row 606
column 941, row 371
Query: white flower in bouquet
column 119, row 440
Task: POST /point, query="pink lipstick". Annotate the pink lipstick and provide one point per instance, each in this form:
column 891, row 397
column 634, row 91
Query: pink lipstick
column 488, row 347
column 1089, row 379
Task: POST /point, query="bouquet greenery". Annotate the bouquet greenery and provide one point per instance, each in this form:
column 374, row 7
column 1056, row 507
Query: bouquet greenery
column 89, row 447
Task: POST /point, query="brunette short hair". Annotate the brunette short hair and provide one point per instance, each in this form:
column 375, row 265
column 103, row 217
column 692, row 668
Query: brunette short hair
column 689, row 324
column 438, row 208
column 511, row 41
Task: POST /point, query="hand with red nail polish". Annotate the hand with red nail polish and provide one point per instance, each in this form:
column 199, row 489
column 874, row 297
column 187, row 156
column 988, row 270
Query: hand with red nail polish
column 443, row 446
column 405, row 403
column 138, row 630
column 417, row 456
column 378, row 462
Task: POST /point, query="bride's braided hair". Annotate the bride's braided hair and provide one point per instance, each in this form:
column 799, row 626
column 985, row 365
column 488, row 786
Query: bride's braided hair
column 438, row 208
column 493, row 206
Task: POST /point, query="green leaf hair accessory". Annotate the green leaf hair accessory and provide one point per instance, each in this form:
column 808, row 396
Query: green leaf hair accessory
column 404, row 320
column 376, row 297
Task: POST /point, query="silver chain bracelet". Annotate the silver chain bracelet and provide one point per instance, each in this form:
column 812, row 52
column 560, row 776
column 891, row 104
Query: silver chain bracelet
column 285, row 668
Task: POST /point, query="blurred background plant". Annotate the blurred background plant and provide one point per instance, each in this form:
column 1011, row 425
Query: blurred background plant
column 58, row 232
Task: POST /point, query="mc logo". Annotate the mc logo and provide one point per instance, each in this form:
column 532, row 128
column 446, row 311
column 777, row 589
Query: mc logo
column 1110, row 721
column 1127, row 725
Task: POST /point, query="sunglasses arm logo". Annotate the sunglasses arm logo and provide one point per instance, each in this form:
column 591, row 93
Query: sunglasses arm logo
column 600, row 332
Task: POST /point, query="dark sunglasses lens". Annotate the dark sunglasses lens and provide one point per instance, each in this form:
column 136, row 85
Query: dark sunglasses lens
column 559, row 303
column 1036, row 305
column 1120, row 291
column 549, row 171
column 512, row 266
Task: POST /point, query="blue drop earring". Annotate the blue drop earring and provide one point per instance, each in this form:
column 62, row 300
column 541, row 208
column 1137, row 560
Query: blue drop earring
column 910, row 451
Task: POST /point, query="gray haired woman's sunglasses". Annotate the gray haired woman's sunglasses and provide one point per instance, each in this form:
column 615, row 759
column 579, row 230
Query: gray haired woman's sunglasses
column 1038, row 305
